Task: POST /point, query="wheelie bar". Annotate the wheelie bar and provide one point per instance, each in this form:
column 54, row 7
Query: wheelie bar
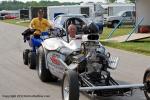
column 113, row 87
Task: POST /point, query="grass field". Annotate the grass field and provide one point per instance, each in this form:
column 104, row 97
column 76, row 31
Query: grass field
column 120, row 31
column 138, row 46
column 17, row 22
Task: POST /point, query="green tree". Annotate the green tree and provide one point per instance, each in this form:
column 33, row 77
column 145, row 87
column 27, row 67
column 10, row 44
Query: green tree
column 15, row 5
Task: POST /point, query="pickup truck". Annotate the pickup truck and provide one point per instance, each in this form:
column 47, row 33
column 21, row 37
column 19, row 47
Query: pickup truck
column 127, row 16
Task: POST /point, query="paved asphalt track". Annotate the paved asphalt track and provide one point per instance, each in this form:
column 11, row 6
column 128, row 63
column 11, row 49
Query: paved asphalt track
column 18, row 82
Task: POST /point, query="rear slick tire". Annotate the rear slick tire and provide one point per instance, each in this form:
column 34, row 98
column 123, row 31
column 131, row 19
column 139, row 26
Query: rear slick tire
column 70, row 86
column 146, row 81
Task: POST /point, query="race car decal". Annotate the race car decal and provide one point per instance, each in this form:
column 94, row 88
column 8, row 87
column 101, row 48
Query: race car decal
column 55, row 60
column 55, row 66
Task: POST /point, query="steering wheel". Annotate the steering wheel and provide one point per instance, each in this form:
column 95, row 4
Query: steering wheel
column 57, row 32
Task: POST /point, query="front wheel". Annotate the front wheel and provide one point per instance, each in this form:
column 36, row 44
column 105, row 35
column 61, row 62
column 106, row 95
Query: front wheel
column 146, row 81
column 44, row 73
column 70, row 86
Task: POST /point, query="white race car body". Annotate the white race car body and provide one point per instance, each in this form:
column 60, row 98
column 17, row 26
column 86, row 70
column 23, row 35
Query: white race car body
column 54, row 59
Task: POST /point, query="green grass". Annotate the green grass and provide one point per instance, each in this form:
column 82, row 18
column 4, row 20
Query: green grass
column 138, row 46
column 120, row 31
column 15, row 21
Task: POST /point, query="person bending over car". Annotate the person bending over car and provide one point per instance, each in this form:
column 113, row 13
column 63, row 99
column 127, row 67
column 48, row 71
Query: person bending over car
column 41, row 25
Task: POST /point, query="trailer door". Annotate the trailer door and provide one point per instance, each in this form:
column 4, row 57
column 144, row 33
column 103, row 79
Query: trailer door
column 24, row 14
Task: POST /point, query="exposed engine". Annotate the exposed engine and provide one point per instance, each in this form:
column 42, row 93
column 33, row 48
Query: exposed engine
column 95, row 56
column 92, row 56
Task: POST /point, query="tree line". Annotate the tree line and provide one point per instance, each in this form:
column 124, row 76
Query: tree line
column 15, row 5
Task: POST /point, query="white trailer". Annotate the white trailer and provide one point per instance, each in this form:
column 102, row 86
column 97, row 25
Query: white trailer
column 114, row 8
column 98, row 14
column 53, row 11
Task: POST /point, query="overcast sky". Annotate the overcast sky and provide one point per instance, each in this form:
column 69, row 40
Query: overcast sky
column 66, row 0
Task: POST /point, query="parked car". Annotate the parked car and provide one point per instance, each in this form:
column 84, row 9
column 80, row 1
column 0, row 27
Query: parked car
column 127, row 16
column 10, row 17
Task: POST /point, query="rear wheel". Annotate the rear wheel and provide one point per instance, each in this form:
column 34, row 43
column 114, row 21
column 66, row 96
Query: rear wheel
column 146, row 81
column 43, row 73
column 25, row 56
column 32, row 60
column 70, row 86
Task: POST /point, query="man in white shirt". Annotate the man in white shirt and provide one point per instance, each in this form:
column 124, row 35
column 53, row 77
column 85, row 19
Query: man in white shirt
column 75, row 42
column 72, row 30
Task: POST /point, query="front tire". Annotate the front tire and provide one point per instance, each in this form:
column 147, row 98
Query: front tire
column 146, row 81
column 70, row 86
column 43, row 73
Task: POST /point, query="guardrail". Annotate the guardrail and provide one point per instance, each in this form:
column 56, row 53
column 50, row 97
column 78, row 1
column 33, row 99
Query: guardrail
column 111, row 33
column 136, row 26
